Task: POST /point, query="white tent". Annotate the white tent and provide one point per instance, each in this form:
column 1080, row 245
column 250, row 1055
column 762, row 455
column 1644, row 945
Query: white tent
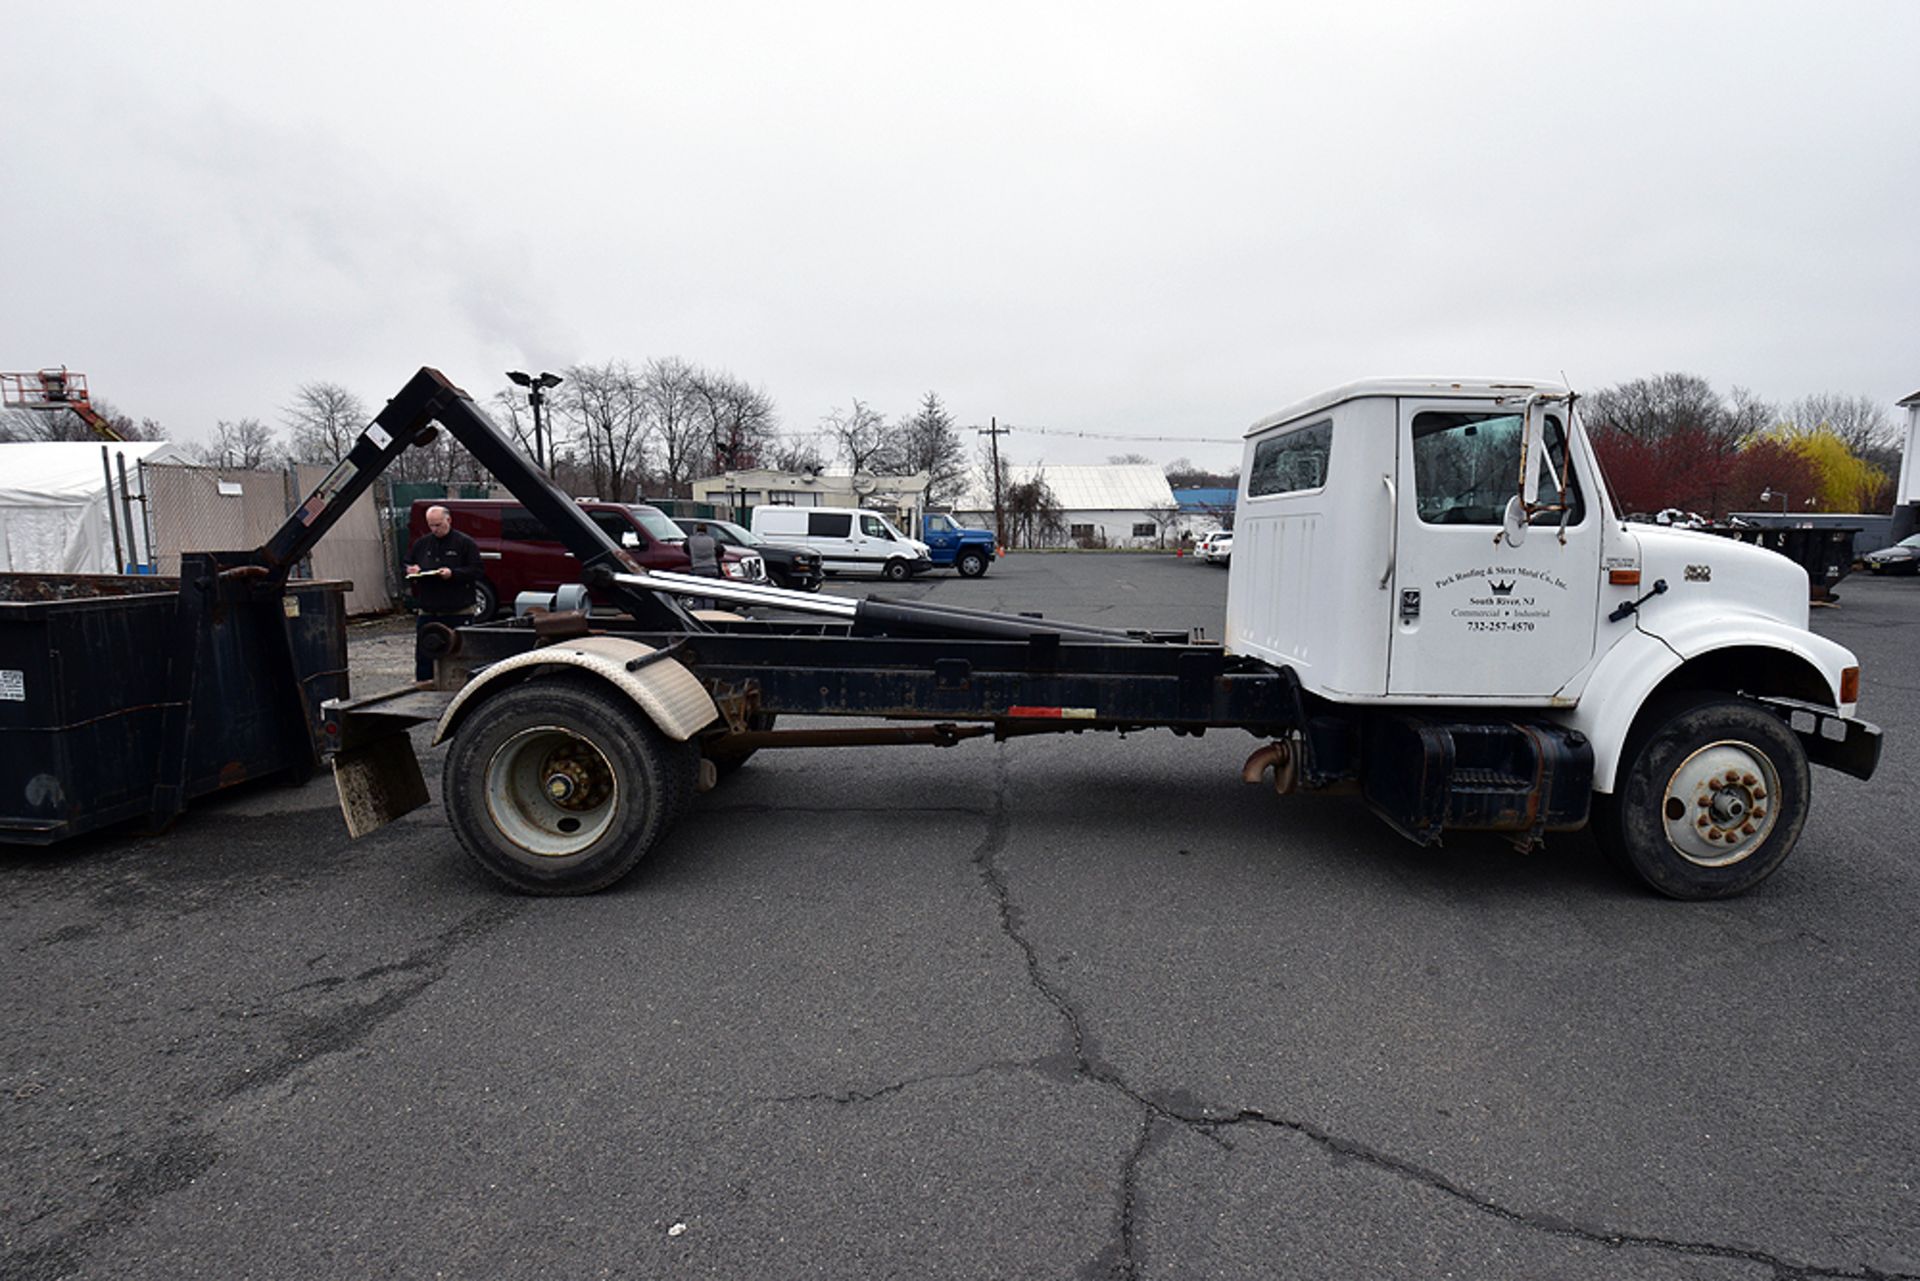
column 54, row 501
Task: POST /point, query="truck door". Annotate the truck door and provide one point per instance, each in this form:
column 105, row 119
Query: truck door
column 942, row 538
column 1476, row 618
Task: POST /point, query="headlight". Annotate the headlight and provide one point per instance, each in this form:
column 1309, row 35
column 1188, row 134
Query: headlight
column 732, row 569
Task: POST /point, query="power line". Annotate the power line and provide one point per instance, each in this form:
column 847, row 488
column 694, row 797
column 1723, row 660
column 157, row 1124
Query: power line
column 1108, row 435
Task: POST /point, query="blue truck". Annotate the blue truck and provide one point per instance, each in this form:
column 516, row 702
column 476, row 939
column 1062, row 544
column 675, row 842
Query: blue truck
column 952, row 545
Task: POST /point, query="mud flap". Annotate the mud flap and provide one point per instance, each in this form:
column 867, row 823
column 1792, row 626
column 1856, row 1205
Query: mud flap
column 378, row 781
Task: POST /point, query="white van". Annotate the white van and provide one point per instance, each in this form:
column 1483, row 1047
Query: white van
column 850, row 540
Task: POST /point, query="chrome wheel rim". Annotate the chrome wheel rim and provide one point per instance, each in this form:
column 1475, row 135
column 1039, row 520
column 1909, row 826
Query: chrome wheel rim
column 1721, row 804
column 551, row 792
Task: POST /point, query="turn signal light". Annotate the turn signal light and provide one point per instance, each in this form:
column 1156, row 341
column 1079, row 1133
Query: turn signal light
column 1623, row 577
column 1850, row 685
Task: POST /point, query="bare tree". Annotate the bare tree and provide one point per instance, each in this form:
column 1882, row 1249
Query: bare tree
column 861, row 435
column 1652, row 409
column 246, row 444
column 64, row 424
column 796, row 454
column 681, row 414
column 323, row 419
column 1034, row 516
column 1861, row 422
column 738, row 419
column 1125, row 460
column 1165, row 520
column 514, row 412
column 1182, row 473
column 606, row 414
column 929, row 442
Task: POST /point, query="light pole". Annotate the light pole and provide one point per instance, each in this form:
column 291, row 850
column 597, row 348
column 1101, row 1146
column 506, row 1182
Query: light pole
column 1768, row 494
column 536, row 385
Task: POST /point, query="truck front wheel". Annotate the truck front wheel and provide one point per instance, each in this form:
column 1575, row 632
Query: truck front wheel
column 896, row 571
column 560, row 785
column 971, row 564
column 1710, row 800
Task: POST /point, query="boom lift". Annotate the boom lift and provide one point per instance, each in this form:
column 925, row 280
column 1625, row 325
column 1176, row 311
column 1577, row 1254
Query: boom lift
column 52, row 390
column 1432, row 603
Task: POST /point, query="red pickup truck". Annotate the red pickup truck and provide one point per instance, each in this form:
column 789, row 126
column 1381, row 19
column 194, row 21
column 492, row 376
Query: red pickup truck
column 519, row 555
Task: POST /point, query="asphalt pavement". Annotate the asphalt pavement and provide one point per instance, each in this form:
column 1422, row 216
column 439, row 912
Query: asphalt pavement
column 1063, row 1007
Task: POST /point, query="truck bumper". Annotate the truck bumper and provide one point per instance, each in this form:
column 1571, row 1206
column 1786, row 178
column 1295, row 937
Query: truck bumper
column 1837, row 742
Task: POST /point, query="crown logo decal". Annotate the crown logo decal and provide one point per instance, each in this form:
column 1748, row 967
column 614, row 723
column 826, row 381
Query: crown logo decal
column 1501, row 589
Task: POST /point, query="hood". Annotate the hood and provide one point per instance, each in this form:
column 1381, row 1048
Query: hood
column 1733, row 576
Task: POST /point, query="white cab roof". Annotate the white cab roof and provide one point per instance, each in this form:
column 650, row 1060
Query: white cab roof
column 1408, row 386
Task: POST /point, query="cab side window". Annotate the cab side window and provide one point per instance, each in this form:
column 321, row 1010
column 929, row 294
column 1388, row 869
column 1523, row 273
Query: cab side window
column 1292, row 461
column 1467, row 465
column 874, row 527
column 619, row 529
column 518, row 525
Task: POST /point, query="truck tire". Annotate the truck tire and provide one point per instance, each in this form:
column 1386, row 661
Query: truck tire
column 1711, row 798
column 486, row 601
column 559, row 785
column 971, row 564
column 895, row 571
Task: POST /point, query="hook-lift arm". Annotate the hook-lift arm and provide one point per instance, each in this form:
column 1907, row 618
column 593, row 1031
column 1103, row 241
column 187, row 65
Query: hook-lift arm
column 409, row 419
column 653, row 599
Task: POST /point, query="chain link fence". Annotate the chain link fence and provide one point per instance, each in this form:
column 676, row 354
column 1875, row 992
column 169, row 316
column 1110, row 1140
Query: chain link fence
column 193, row 507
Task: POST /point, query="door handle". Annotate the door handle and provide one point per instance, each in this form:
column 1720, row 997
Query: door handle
column 1393, row 519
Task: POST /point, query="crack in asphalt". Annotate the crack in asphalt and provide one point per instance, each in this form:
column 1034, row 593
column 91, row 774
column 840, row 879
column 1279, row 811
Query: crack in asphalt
column 1545, row 1223
column 1121, row 1260
column 895, row 1087
column 335, row 1030
column 173, row 1164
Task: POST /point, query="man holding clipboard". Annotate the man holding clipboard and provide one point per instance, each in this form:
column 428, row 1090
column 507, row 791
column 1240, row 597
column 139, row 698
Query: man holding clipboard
column 442, row 566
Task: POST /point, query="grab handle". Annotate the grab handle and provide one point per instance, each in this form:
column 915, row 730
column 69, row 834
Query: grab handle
column 1393, row 518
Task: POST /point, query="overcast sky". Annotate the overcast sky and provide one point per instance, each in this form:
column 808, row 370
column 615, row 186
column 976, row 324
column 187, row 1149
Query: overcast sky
column 1152, row 220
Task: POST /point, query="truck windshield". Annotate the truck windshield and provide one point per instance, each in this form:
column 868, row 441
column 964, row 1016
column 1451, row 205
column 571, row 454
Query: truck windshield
column 1466, row 466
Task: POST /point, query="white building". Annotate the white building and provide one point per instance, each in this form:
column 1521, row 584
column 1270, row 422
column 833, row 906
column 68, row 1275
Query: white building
column 902, row 497
column 1108, row 505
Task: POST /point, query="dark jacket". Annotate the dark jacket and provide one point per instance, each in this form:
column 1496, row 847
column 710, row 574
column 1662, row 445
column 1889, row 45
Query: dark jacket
column 445, row 595
column 703, row 550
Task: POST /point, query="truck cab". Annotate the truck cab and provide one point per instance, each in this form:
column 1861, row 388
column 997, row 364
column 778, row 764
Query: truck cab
column 1448, row 548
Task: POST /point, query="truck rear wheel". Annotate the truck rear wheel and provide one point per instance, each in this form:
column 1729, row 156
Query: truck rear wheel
column 1711, row 798
column 561, row 785
column 971, row 564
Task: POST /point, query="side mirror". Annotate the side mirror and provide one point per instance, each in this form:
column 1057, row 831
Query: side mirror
column 1513, row 524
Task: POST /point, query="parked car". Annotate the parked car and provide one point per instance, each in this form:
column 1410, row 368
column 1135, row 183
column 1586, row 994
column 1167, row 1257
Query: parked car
column 787, row 566
column 517, row 554
column 1215, row 547
column 850, row 540
column 1901, row 558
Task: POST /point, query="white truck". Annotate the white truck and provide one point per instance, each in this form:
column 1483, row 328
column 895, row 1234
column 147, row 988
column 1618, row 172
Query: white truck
column 1433, row 599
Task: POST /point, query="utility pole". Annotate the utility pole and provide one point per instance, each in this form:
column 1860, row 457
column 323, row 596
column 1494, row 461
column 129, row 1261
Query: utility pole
column 993, row 432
